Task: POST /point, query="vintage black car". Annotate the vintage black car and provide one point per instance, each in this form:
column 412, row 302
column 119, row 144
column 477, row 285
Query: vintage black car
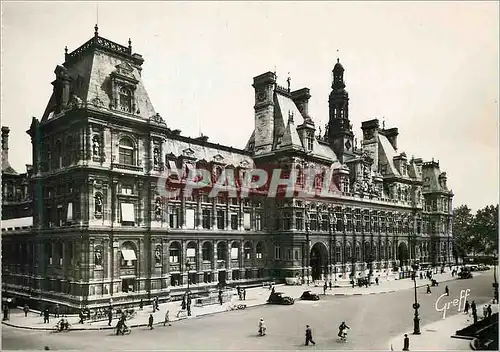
column 279, row 298
column 465, row 274
column 309, row 296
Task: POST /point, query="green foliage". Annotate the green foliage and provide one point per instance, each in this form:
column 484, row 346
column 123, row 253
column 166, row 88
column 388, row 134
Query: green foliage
column 475, row 233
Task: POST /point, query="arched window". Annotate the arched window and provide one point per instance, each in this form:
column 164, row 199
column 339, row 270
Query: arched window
column 126, row 152
column 357, row 252
column 125, row 99
column 129, row 257
column 191, row 250
column 98, row 255
column 222, row 251
column 206, row 251
column 247, row 249
column 338, row 253
column 174, row 252
column 259, row 251
column 366, row 252
column 348, row 252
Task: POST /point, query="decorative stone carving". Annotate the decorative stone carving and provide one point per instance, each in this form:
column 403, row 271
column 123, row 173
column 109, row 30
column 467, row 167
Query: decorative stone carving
column 157, row 119
column 98, row 256
column 97, row 102
column 158, row 209
column 98, row 204
column 96, row 146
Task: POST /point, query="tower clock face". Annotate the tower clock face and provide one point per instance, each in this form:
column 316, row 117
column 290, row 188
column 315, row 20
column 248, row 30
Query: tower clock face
column 261, row 96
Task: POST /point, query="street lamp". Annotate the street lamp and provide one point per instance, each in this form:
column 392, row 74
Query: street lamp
column 416, row 305
column 188, row 267
column 307, row 246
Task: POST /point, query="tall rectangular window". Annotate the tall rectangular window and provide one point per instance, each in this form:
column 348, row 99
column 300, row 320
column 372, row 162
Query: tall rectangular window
column 234, row 222
column 205, row 222
column 299, row 221
column 220, row 219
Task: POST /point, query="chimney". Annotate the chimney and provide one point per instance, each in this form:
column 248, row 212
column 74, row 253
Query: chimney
column 392, row 136
column 5, row 145
column 301, row 99
column 61, row 87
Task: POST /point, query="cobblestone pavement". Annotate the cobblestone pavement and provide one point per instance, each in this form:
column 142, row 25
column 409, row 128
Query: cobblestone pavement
column 374, row 320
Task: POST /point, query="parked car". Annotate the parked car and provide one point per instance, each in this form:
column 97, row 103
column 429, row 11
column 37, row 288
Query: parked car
column 279, row 298
column 309, row 296
column 465, row 274
column 482, row 267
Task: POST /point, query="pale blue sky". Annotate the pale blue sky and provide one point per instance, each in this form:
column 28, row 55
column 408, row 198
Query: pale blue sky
column 430, row 68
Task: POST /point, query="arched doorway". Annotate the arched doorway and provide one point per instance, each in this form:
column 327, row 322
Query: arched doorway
column 403, row 254
column 319, row 261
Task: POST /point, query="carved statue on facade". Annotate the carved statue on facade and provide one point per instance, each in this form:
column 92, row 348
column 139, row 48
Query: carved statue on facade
column 158, row 255
column 98, row 256
column 98, row 203
column 96, row 146
column 365, row 186
column 156, row 156
column 158, row 209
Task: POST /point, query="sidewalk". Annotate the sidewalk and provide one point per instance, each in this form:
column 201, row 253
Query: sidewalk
column 439, row 336
column 254, row 297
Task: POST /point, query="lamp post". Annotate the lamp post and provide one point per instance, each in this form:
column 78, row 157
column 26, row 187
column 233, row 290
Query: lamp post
column 416, row 305
column 188, row 267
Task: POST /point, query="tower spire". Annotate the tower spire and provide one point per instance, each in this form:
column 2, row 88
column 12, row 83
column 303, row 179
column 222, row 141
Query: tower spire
column 96, row 31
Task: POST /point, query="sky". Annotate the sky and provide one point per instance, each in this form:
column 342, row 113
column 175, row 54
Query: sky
column 430, row 69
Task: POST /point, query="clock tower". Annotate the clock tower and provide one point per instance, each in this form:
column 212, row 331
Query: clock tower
column 264, row 112
column 339, row 134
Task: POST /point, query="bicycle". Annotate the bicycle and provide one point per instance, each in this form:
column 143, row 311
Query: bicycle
column 58, row 328
column 124, row 331
column 342, row 337
column 236, row 307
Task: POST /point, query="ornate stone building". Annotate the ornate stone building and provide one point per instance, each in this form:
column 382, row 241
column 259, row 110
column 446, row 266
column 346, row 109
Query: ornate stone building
column 101, row 229
column 16, row 190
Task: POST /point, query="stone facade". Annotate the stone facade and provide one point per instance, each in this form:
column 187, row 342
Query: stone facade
column 101, row 231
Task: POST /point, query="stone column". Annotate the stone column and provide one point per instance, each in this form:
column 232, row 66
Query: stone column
column 215, row 272
column 229, row 271
column 199, row 217
column 182, row 213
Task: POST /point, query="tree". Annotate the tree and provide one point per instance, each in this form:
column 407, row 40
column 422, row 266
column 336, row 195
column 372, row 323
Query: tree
column 484, row 229
column 462, row 221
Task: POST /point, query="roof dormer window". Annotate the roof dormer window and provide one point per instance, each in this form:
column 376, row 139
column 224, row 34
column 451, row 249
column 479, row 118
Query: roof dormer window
column 309, row 141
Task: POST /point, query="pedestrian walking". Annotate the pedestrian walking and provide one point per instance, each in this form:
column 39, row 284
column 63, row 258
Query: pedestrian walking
column 167, row 319
column 189, row 307
column 220, row 298
column 376, row 280
column 330, row 284
column 324, row 288
column 447, row 290
column 488, row 311
column 57, row 311
column 81, row 317
column 309, row 337
column 150, row 322
column 26, row 309
column 110, row 316
column 5, row 312
column 141, row 304
column 46, row 316
column 428, row 288
column 466, row 307
column 485, row 311
column 406, row 343
column 474, row 315
column 473, row 307
column 244, row 294
column 273, row 290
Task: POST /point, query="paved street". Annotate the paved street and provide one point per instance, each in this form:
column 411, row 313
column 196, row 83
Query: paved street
column 374, row 320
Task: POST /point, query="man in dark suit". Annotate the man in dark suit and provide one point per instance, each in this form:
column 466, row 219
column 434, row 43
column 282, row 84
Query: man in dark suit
column 406, row 343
